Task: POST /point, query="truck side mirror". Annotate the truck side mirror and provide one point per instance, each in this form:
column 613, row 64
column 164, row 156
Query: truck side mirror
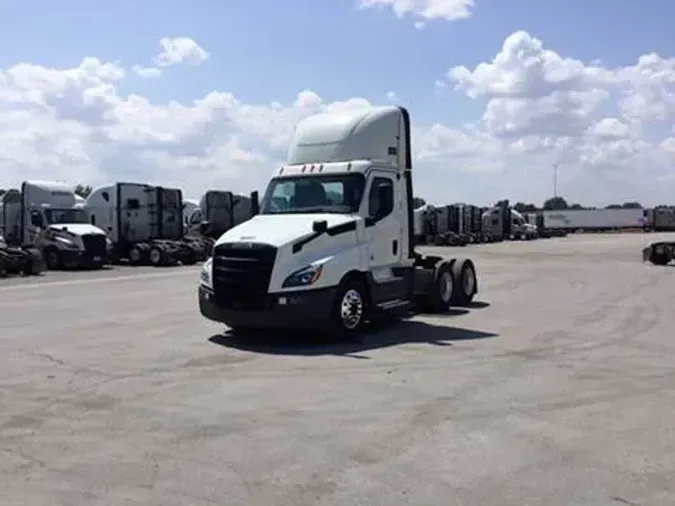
column 255, row 204
column 36, row 219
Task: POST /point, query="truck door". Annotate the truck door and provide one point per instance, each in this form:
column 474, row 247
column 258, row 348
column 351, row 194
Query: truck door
column 385, row 228
column 136, row 221
column 169, row 202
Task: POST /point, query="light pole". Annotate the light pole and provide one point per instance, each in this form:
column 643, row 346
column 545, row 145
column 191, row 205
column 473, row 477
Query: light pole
column 555, row 179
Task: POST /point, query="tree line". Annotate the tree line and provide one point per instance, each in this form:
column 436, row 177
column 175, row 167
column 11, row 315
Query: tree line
column 560, row 204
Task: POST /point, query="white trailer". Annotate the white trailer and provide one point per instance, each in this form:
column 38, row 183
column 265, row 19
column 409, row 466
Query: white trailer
column 46, row 215
column 594, row 219
column 333, row 245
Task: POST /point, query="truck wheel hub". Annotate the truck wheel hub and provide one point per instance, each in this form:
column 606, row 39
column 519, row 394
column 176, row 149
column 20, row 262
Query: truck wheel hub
column 446, row 286
column 351, row 309
column 469, row 282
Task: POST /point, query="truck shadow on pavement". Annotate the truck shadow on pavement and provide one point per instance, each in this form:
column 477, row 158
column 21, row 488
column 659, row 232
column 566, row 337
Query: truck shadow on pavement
column 377, row 336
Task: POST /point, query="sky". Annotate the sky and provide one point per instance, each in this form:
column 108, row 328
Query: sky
column 205, row 94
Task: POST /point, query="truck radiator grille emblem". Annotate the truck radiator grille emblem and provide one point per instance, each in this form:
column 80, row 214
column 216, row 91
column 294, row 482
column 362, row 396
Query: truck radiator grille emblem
column 241, row 274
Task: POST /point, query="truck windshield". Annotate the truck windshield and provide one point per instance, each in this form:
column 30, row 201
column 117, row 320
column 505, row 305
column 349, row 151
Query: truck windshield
column 340, row 194
column 59, row 216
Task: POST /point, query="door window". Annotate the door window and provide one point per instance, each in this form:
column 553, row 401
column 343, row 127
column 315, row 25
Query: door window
column 381, row 198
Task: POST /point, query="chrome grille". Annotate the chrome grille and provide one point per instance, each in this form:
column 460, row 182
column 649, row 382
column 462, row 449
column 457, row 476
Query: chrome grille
column 241, row 274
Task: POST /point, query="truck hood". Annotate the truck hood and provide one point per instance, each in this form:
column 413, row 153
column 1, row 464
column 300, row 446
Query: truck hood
column 280, row 229
column 77, row 228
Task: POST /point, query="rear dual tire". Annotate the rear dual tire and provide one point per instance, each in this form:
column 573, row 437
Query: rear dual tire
column 454, row 285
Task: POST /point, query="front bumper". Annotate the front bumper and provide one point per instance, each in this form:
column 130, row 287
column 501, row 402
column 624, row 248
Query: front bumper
column 305, row 309
column 82, row 259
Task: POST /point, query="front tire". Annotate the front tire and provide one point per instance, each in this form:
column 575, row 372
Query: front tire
column 52, row 259
column 190, row 257
column 156, row 256
column 442, row 287
column 349, row 310
column 135, row 256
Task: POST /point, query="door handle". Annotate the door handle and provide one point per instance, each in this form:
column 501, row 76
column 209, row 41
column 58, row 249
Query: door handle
column 394, row 247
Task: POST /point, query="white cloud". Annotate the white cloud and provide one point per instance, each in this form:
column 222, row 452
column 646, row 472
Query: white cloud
column 610, row 129
column 180, row 50
column 597, row 118
column 146, row 72
column 392, row 96
column 424, row 10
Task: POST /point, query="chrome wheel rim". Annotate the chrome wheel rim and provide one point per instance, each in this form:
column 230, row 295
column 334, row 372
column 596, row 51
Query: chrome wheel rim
column 446, row 286
column 155, row 256
column 351, row 309
column 469, row 281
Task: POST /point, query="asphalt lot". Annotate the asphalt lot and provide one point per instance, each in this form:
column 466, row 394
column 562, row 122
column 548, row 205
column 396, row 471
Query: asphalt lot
column 557, row 389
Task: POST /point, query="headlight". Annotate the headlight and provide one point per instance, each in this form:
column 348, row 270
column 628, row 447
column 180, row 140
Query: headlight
column 205, row 274
column 304, row 277
column 66, row 242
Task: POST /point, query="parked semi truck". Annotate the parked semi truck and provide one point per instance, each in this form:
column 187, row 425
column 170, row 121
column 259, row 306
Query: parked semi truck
column 505, row 223
column 144, row 224
column 45, row 215
column 217, row 211
column 660, row 219
column 333, row 245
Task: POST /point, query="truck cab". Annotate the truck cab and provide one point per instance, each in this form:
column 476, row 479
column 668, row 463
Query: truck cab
column 218, row 211
column 521, row 228
column 144, row 224
column 48, row 216
column 333, row 244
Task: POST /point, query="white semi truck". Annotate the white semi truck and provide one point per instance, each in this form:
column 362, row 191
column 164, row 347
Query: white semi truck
column 505, row 223
column 144, row 224
column 333, row 245
column 46, row 215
